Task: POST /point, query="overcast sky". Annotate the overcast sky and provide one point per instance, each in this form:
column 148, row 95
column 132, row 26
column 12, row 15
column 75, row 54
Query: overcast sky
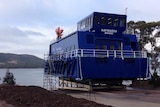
column 28, row 26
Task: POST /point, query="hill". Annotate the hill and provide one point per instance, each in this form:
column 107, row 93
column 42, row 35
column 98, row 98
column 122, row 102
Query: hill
column 8, row 60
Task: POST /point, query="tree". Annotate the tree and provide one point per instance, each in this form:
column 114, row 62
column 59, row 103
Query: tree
column 145, row 32
column 148, row 33
column 155, row 80
column 9, row 78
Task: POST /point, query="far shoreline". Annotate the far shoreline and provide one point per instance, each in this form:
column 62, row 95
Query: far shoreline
column 23, row 68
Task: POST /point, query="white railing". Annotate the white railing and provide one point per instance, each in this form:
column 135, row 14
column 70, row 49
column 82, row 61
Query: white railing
column 100, row 53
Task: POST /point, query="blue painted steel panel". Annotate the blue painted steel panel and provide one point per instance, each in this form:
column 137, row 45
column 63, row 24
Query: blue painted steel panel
column 102, row 68
column 65, row 44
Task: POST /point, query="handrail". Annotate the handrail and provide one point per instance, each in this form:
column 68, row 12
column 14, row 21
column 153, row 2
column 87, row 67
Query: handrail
column 99, row 53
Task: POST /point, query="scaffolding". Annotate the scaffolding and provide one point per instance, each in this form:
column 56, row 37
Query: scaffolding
column 54, row 82
column 50, row 81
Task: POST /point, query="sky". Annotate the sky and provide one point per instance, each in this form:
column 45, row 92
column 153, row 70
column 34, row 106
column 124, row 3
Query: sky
column 28, row 26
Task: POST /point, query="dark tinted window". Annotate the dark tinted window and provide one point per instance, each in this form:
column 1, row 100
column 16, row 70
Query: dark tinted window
column 112, row 47
column 90, row 39
column 116, row 22
column 122, row 22
column 97, row 47
column 110, row 21
column 97, row 20
column 103, row 20
column 126, row 41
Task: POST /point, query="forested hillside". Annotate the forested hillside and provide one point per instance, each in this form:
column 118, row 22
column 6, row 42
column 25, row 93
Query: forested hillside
column 8, row 60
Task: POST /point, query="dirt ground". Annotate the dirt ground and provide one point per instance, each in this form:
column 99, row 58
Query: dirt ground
column 32, row 96
column 4, row 104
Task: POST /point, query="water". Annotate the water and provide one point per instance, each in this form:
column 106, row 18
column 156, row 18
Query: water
column 29, row 77
column 25, row 77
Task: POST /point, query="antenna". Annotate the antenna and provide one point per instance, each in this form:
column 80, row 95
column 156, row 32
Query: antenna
column 126, row 19
column 126, row 10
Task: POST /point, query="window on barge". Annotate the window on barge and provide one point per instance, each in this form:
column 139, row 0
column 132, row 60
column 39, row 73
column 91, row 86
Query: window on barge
column 110, row 21
column 97, row 20
column 90, row 39
column 85, row 23
column 112, row 47
column 116, row 22
column 105, row 47
column 103, row 20
column 122, row 22
column 126, row 41
column 97, row 47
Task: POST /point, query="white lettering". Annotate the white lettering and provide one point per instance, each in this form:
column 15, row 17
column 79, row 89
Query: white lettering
column 109, row 31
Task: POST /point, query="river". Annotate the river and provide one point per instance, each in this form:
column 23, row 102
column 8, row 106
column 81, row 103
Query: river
column 25, row 77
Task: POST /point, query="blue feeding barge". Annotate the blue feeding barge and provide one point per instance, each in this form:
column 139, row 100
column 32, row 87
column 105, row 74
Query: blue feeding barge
column 99, row 51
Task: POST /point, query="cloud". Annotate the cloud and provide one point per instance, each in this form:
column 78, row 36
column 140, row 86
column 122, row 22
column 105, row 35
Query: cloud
column 15, row 40
column 24, row 12
column 28, row 26
column 53, row 12
column 11, row 34
column 11, row 31
column 34, row 33
column 142, row 9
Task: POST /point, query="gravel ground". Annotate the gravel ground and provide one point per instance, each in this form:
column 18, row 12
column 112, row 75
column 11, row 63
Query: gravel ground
column 133, row 98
